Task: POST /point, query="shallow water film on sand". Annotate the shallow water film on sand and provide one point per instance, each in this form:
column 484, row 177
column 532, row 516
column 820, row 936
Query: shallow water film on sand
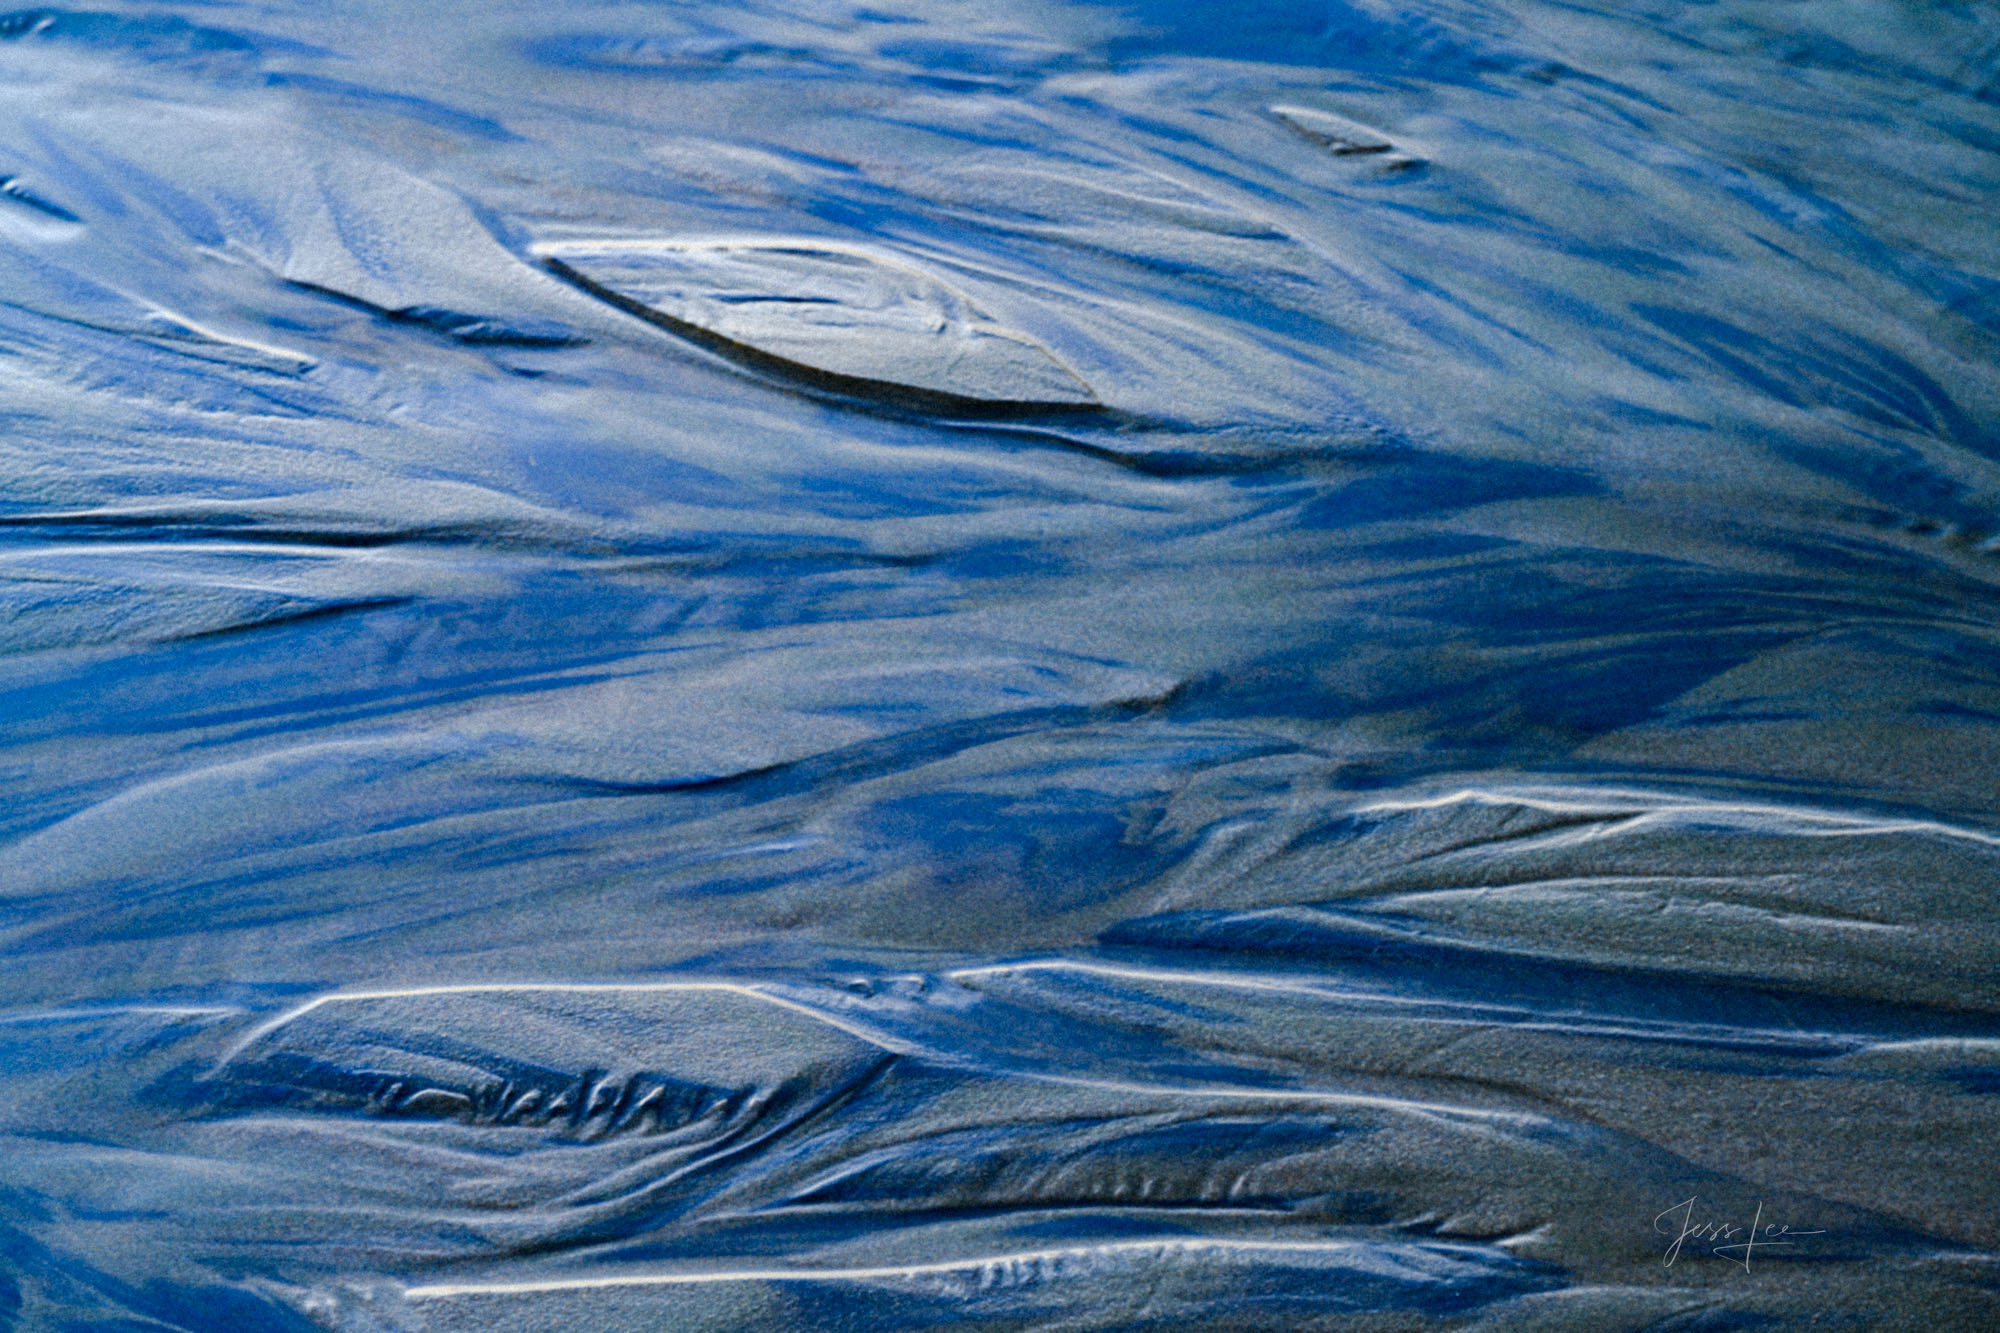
column 1000, row 665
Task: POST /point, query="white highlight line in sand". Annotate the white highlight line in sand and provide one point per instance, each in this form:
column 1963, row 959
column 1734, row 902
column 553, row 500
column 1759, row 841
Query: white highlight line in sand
column 1291, row 1097
column 1171, row 976
column 26, row 1016
column 1435, row 1010
column 886, row 1272
column 738, row 988
column 1638, row 806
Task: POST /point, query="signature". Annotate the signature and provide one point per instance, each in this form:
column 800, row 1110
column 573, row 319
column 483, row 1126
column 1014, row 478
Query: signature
column 1679, row 1222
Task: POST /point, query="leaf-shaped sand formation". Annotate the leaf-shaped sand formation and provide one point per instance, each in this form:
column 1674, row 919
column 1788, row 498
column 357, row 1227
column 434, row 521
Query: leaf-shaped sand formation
column 1337, row 134
column 835, row 316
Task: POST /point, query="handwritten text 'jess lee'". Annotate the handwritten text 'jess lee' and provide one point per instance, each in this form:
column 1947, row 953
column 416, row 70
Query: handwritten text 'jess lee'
column 1738, row 1242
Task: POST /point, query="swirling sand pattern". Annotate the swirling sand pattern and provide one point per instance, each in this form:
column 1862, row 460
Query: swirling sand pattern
column 999, row 665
